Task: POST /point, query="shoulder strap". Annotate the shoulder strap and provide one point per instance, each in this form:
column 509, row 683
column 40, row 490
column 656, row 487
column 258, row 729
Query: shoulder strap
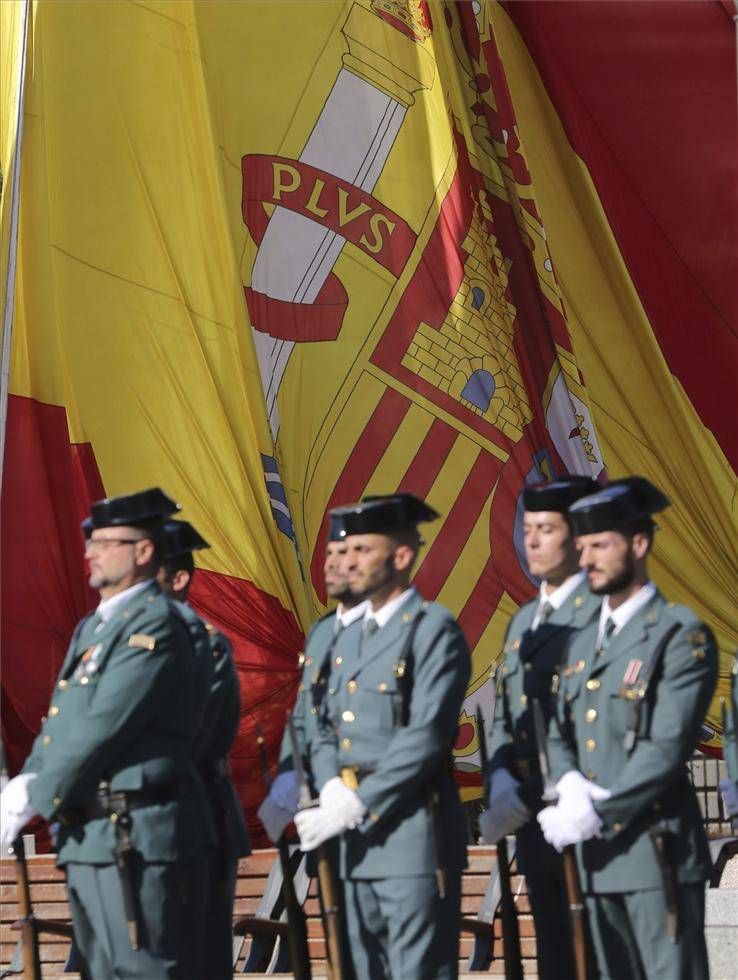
column 404, row 670
column 652, row 666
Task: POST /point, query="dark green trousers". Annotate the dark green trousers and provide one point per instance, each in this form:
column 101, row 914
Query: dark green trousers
column 631, row 940
column 170, row 899
column 550, row 907
column 221, row 892
column 401, row 929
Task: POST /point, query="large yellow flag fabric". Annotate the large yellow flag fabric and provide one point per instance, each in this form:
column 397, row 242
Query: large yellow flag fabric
column 276, row 256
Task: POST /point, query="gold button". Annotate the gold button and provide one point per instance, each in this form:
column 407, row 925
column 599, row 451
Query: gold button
column 593, row 684
column 56, row 801
column 63, row 685
column 567, row 697
column 84, row 680
column 382, row 687
column 345, row 743
column 523, row 700
column 301, row 688
column 406, row 617
column 46, row 740
column 591, row 775
column 331, row 690
column 313, row 711
column 590, row 745
column 374, row 817
column 617, row 826
column 127, row 615
column 339, row 661
column 301, row 660
column 348, row 716
column 591, row 714
column 113, row 817
column 528, row 666
column 352, row 687
column 53, row 711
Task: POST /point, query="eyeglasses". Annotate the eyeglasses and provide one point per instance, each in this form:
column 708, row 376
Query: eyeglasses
column 102, row 544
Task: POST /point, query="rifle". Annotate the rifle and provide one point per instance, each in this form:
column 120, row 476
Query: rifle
column 326, row 879
column 297, row 938
column 29, row 930
column 571, row 872
column 508, row 913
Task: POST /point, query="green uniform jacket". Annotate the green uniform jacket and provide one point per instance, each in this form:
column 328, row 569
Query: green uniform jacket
column 318, row 644
column 649, row 784
column 361, row 726
column 730, row 735
column 531, row 659
column 215, row 735
column 122, row 710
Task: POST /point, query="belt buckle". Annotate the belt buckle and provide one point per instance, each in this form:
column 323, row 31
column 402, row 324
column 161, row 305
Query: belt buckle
column 349, row 777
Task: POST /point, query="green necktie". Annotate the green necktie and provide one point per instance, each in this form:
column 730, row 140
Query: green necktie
column 544, row 613
column 606, row 636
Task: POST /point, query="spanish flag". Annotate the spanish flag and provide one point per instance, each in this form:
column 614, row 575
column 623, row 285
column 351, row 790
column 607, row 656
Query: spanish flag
column 276, row 256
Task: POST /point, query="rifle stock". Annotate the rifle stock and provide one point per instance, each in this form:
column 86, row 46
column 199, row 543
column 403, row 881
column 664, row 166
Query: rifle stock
column 29, row 931
column 297, row 938
column 508, row 913
column 571, row 872
column 331, row 914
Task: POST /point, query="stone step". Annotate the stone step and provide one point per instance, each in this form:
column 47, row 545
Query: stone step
column 721, row 932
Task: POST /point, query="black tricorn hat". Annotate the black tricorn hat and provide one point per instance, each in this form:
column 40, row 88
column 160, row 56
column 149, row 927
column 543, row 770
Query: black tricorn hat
column 132, row 509
column 180, row 538
column 620, row 503
column 559, row 494
column 86, row 527
column 381, row 515
column 336, row 530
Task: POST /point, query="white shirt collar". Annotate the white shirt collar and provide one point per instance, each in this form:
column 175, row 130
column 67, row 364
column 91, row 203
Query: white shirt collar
column 383, row 615
column 626, row 611
column 107, row 608
column 558, row 597
column 345, row 617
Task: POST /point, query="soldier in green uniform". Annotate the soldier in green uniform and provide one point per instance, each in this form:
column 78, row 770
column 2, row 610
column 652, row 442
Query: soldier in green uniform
column 729, row 785
column 113, row 761
column 280, row 804
column 213, row 742
column 535, row 644
column 632, row 698
column 383, row 761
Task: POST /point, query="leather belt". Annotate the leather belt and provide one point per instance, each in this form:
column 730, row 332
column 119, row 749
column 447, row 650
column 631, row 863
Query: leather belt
column 214, row 769
column 107, row 804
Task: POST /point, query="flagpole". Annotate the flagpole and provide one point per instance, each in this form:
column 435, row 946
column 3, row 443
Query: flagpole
column 14, row 190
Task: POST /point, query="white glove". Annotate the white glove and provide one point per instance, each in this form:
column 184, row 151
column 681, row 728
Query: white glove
column 15, row 807
column 577, row 793
column 319, row 823
column 506, row 811
column 336, row 793
column 285, row 792
column 275, row 818
column 574, row 818
column 729, row 790
column 558, row 831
